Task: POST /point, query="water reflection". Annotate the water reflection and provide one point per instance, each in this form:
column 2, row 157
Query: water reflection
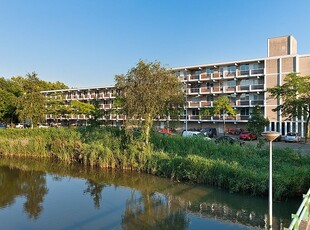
column 30, row 184
column 150, row 203
column 94, row 189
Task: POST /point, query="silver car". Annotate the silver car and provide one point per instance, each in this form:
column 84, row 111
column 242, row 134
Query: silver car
column 292, row 137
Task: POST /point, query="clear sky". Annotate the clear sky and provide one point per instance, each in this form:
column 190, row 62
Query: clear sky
column 87, row 42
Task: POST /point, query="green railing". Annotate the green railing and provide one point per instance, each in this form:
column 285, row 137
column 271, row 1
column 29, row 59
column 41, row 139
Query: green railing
column 302, row 213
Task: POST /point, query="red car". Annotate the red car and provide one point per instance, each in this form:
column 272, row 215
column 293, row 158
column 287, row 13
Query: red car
column 247, row 135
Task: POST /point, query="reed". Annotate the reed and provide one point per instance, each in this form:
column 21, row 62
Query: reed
column 238, row 169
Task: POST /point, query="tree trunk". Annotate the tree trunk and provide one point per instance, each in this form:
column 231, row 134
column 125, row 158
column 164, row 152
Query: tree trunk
column 307, row 128
column 148, row 124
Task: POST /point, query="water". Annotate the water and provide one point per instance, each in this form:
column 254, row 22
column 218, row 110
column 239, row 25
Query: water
column 48, row 195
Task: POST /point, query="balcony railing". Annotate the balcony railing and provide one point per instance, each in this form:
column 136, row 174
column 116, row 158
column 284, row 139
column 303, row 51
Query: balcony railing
column 193, row 91
column 249, row 102
column 259, row 87
column 204, row 90
column 192, row 77
column 227, row 89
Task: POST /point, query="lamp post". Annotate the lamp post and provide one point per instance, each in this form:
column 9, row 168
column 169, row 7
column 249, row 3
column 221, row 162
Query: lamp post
column 270, row 136
column 186, row 108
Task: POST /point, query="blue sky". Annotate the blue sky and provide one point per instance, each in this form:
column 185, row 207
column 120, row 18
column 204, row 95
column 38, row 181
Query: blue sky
column 87, row 42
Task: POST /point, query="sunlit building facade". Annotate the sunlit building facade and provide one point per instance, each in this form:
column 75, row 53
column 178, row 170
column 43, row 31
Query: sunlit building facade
column 244, row 82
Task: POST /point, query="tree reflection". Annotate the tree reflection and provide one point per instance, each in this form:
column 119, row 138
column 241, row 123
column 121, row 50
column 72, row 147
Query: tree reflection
column 30, row 184
column 94, row 189
column 152, row 211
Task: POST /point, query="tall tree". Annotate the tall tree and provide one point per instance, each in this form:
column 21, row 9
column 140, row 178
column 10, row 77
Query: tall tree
column 145, row 92
column 221, row 107
column 257, row 121
column 31, row 104
column 57, row 106
column 295, row 96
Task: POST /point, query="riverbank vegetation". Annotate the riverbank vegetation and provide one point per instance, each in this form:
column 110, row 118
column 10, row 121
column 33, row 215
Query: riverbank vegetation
column 235, row 168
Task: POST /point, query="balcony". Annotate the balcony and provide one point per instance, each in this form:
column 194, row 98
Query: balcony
column 204, row 90
column 192, row 77
column 192, row 91
column 205, row 77
column 229, row 75
column 206, row 103
column 107, row 106
column 257, row 71
column 229, row 89
column 248, row 88
column 193, row 104
column 249, row 103
column 251, row 72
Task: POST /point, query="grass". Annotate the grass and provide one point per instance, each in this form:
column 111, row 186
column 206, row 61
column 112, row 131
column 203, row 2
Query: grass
column 239, row 169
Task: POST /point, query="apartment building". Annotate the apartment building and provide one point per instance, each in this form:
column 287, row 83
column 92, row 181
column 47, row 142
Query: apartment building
column 104, row 96
column 244, row 82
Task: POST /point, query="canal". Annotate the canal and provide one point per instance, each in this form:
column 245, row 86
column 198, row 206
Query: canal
column 44, row 194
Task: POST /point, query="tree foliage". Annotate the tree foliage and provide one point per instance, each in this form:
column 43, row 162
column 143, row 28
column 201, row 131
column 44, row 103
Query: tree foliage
column 221, row 107
column 294, row 94
column 257, row 121
column 20, row 98
column 147, row 91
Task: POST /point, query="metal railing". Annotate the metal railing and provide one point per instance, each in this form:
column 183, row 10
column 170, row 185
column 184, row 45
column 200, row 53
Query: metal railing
column 302, row 213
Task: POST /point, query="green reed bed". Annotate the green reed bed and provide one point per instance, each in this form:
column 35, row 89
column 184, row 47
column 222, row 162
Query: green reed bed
column 233, row 167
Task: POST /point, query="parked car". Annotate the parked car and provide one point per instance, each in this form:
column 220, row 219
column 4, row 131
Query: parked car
column 292, row 137
column 2, row 126
column 19, row 126
column 228, row 139
column 209, row 132
column 165, row 131
column 247, row 135
column 190, row 133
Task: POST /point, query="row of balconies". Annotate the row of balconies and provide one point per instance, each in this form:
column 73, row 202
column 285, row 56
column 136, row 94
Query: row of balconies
column 247, row 103
column 226, row 89
column 90, row 96
column 182, row 118
column 215, row 118
column 222, row 75
column 84, row 117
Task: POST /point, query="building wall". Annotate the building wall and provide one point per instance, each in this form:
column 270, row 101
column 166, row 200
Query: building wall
column 304, row 65
column 279, row 46
column 245, row 82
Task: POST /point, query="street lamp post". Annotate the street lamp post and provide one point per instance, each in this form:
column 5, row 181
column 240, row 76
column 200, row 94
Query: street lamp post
column 270, row 136
column 186, row 108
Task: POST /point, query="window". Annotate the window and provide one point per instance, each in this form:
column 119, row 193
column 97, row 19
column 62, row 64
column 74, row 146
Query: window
column 197, row 72
column 244, row 67
column 210, row 98
column 244, row 112
column 244, row 97
column 209, row 85
column 195, row 112
column 230, row 83
column 231, row 69
column 209, row 71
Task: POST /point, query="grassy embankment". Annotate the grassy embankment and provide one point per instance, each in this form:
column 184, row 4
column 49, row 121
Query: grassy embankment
column 238, row 169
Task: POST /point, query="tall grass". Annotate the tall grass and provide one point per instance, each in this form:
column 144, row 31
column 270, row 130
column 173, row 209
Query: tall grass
column 238, row 169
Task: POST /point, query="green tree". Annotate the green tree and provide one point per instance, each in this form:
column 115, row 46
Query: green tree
column 221, row 107
column 145, row 92
column 96, row 114
column 78, row 107
column 57, row 106
column 294, row 94
column 31, row 104
column 257, row 121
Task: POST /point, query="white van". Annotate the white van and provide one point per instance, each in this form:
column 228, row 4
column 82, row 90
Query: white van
column 193, row 134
